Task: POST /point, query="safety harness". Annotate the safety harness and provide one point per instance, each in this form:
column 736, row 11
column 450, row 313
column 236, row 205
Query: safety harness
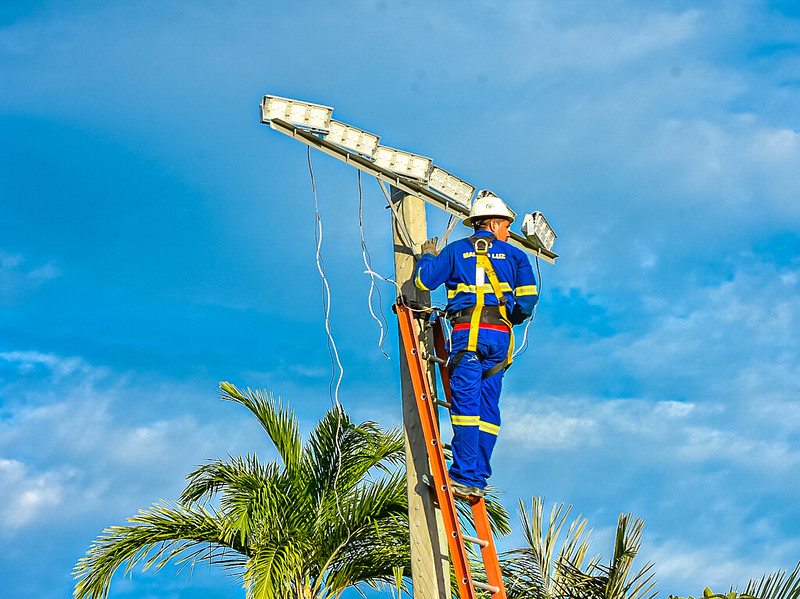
column 484, row 270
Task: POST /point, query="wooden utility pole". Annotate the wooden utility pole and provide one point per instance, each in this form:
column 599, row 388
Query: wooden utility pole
column 430, row 567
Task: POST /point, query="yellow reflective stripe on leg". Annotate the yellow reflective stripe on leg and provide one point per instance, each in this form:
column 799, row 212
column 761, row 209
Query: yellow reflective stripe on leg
column 465, row 420
column 488, row 427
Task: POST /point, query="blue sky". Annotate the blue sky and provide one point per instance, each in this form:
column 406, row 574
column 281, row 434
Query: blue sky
column 155, row 239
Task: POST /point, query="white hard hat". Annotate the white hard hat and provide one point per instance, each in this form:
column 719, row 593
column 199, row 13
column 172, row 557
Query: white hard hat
column 488, row 205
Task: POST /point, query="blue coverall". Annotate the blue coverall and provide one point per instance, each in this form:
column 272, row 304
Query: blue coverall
column 475, row 412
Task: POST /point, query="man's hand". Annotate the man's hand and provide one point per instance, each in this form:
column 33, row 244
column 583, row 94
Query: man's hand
column 517, row 316
column 429, row 247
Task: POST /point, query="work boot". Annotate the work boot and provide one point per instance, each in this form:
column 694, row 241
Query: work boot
column 478, row 492
column 462, row 490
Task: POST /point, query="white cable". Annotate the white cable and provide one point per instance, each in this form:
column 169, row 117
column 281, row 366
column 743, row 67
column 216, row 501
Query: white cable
column 326, row 298
column 524, row 347
column 368, row 263
column 326, row 293
column 451, row 224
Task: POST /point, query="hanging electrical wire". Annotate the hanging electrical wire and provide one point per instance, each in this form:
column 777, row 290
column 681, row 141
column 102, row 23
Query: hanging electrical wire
column 382, row 322
column 326, row 294
column 332, row 351
column 524, row 347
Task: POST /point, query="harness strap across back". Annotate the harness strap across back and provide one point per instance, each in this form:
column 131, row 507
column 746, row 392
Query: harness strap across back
column 484, row 270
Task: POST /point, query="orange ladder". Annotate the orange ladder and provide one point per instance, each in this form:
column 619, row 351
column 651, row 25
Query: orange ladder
column 427, row 405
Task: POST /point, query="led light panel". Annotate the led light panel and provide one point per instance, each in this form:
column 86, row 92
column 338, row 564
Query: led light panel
column 536, row 228
column 404, row 163
column 303, row 114
column 451, row 187
column 353, row 138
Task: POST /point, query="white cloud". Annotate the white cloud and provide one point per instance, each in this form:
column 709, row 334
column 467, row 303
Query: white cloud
column 75, row 439
column 716, row 563
column 24, row 497
column 560, row 423
column 746, row 449
column 58, row 367
column 17, row 280
column 609, row 44
column 550, row 425
column 735, row 338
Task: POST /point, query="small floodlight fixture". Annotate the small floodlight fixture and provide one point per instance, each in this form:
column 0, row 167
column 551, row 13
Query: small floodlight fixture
column 451, row 187
column 315, row 117
column 403, row 163
column 353, row 138
column 536, row 228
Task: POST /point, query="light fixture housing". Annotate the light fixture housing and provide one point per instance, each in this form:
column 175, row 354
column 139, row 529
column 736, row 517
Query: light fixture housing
column 536, row 228
column 451, row 187
column 405, row 164
column 314, row 117
column 354, row 139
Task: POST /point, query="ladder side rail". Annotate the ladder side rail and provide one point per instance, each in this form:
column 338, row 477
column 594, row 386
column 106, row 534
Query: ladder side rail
column 419, row 380
column 491, row 563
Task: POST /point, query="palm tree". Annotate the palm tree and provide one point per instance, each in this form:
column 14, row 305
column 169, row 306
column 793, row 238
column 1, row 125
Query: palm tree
column 332, row 515
column 777, row 585
column 543, row 570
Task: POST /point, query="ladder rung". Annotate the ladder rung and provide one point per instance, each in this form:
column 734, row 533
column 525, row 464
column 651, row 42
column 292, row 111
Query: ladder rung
column 485, row 587
column 436, row 359
column 442, row 403
column 476, row 540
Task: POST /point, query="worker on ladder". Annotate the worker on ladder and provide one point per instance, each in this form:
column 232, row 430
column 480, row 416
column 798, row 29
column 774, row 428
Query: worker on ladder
column 490, row 287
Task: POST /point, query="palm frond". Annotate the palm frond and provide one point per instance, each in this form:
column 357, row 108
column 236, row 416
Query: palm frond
column 275, row 570
column 339, row 454
column 538, row 569
column 222, row 475
column 777, row 585
column 627, row 543
column 277, row 419
column 612, row 581
column 251, row 493
column 157, row 536
column 365, row 536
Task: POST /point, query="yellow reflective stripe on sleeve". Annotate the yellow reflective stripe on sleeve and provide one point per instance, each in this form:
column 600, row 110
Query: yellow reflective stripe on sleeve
column 418, row 282
column 526, row 290
column 488, row 427
column 465, row 420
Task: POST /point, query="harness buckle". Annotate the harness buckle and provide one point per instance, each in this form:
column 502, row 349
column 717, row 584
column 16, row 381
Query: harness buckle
column 482, row 245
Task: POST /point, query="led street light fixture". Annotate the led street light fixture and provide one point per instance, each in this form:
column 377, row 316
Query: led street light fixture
column 536, row 228
column 303, row 114
column 451, row 187
column 353, row 138
column 404, row 163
